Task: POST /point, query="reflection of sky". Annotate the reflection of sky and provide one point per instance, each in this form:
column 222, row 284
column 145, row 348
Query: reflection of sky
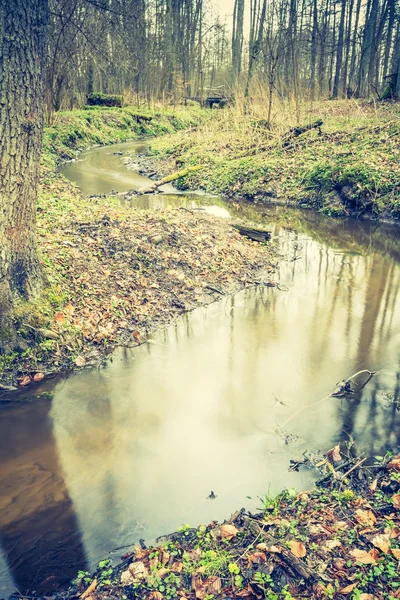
column 143, row 442
column 6, row 581
column 138, row 446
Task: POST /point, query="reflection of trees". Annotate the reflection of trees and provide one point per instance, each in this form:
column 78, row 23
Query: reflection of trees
column 39, row 534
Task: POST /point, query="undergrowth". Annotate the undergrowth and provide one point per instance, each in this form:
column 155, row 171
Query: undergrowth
column 349, row 166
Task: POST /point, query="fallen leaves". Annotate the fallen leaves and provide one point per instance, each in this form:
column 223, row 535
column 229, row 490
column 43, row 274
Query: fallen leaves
column 201, row 588
column 396, row 500
column 228, row 531
column 364, row 557
column 394, row 464
column 365, row 517
column 382, row 542
column 38, row 377
column 298, row 548
column 334, row 455
column 80, row 361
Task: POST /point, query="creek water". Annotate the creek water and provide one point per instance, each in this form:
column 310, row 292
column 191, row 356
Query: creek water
column 221, row 400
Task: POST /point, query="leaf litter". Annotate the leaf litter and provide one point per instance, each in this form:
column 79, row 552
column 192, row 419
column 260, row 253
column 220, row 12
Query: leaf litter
column 338, row 540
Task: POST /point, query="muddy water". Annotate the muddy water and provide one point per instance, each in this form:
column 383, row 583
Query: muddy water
column 221, row 400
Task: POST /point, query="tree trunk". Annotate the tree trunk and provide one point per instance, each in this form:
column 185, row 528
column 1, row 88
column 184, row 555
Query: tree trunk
column 339, row 52
column 23, row 25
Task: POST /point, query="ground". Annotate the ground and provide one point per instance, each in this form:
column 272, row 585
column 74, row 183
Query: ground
column 115, row 273
column 350, row 166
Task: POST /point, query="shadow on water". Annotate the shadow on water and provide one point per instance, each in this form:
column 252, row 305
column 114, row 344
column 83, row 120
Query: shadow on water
column 221, row 400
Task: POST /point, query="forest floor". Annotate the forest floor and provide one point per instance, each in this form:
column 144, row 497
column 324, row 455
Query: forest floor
column 340, row 540
column 349, row 166
column 116, row 273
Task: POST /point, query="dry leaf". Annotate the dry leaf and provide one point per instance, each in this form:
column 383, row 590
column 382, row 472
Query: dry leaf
column 228, row 531
column 59, row 318
column 298, row 548
column 330, row 544
column 362, row 556
column 213, row 585
column 365, row 517
column 339, row 563
column 177, row 567
column 155, row 596
column 334, row 454
column 38, row 377
column 69, row 309
column 373, row 485
column 80, row 361
column 349, row 588
column 136, row 337
column 395, row 498
column 393, row 533
column 138, row 570
column 127, row 578
column 89, row 590
column 367, row 597
column 258, row 557
column 394, row 464
column 396, row 553
column 24, row 380
column 382, row 542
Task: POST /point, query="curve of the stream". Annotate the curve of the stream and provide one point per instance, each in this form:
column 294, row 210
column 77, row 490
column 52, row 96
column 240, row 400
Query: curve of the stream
column 219, row 401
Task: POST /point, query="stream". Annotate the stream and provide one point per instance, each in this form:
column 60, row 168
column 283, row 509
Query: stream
column 221, row 400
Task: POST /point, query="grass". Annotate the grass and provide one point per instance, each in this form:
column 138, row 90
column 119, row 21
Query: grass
column 349, row 167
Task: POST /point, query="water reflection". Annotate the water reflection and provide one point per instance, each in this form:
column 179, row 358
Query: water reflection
column 40, row 541
column 220, row 401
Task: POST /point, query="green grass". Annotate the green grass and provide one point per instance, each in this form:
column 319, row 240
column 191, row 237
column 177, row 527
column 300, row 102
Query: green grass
column 351, row 166
column 77, row 130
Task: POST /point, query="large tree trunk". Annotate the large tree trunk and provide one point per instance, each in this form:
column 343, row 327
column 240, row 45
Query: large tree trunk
column 23, row 26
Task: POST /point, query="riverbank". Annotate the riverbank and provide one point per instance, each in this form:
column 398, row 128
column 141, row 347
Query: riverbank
column 115, row 273
column 348, row 165
column 339, row 540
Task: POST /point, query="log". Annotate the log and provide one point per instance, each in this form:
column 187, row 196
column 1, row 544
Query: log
column 296, row 131
column 257, row 235
column 148, row 189
column 294, row 563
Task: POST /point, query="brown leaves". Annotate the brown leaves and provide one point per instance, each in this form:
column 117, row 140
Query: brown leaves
column 334, row 455
column 365, row 517
column 23, row 381
column 349, row 588
column 394, row 464
column 364, row 557
column 155, row 596
column 135, row 572
column 396, row 553
column 228, row 531
column 298, row 548
column 80, row 361
column 201, row 588
column 38, row 377
column 89, row 590
column 382, row 542
column 396, row 500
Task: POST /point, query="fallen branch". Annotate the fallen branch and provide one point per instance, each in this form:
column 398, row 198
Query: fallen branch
column 257, row 235
column 296, row 564
column 296, row 131
column 168, row 179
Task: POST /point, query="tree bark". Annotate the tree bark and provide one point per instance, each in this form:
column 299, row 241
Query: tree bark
column 23, row 25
